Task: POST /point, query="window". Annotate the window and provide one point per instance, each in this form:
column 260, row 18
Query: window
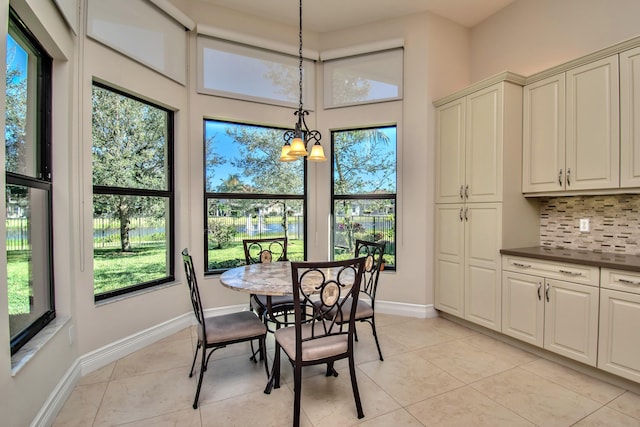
column 141, row 31
column 249, row 193
column 244, row 72
column 363, row 79
column 133, row 198
column 364, row 190
column 29, row 239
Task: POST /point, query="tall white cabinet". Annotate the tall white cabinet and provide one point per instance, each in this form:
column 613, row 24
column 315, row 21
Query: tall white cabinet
column 630, row 118
column 479, row 205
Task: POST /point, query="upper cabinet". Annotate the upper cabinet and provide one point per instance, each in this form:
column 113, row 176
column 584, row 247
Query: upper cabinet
column 470, row 153
column 581, row 125
column 571, row 131
column 593, row 126
column 630, row 118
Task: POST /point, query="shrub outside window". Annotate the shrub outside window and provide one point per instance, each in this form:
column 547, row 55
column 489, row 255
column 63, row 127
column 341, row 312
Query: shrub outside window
column 133, row 200
column 364, row 190
column 249, row 193
column 29, row 239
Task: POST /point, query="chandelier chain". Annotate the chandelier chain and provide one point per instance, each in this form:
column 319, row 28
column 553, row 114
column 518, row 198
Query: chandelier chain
column 300, row 55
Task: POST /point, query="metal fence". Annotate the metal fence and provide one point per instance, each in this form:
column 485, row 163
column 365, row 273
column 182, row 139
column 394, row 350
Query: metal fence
column 145, row 231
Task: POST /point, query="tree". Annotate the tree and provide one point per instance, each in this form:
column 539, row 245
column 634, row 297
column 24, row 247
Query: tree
column 16, row 116
column 129, row 142
column 360, row 167
column 259, row 160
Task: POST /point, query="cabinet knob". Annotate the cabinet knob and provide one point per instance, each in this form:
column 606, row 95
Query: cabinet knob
column 629, row 282
column 466, row 191
column 546, row 292
column 462, row 192
column 539, row 288
column 570, row 273
column 560, row 178
column 568, row 176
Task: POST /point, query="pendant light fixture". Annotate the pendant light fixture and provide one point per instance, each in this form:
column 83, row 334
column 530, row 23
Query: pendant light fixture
column 297, row 140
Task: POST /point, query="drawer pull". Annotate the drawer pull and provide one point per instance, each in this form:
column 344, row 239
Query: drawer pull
column 518, row 264
column 629, row 282
column 570, row 273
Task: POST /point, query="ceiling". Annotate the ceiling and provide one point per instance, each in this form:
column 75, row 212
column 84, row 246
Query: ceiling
column 331, row 15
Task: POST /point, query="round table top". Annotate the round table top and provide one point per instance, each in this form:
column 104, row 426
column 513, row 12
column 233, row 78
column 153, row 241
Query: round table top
column 270, row 278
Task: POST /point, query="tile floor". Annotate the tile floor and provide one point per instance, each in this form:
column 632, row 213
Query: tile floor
column 435, row 373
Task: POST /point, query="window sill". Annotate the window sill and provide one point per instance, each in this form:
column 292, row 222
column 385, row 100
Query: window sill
column 135, row 293
column 26, row 353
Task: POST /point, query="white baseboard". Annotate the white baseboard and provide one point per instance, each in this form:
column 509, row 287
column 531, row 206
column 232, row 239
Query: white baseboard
column 405, row 309
column 49, row 411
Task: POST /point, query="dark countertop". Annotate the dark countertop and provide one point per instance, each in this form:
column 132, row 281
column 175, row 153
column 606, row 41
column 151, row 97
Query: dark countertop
column 575, row 256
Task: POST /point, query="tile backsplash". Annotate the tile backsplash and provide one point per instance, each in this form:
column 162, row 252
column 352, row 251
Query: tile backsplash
column 614, row 223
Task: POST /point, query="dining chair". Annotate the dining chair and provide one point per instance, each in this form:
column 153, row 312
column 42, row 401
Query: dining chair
column 216, row 332
column 366, row 305
column 267, row 250
column 320, row 288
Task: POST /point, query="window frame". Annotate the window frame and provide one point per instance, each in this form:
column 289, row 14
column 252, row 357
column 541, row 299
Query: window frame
column 169, row 194
column 246, row 196
column 44, row 181
column 376, row 196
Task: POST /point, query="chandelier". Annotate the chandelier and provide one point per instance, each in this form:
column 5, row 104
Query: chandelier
column 297, row 140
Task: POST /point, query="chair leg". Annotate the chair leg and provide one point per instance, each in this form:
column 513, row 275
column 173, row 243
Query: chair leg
column 354, row 386
column 375, row 336
column 331, row 370
column 195, row 356
column 202, row 369
column 297, row 393
column 263, row 354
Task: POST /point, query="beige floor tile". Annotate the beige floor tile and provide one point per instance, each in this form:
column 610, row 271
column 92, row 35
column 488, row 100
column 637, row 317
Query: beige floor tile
column 505, row 352
column 585, row 385
column 184, row 418
column 450, row 328
column 253, row 409
column 628, row 403
column 409, row 378
column 397, row 418
column 606, row 417
column 145, row 396
column 160, row 356
column 464, row 361
column 230, row 377
column 411, row 335
column 81, row 407
column 536, row 399
column 465, row 407
column 329, row 401
column 99, row 375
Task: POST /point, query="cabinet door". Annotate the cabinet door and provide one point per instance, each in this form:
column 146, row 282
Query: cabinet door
column 523, row 307
column 619, row 347
column 483, row 287
column 630, row 118
column 543, row 152
column 593, row 127
column 484, row 145
column 449, row 268
column 571, row 320
column 450, row 137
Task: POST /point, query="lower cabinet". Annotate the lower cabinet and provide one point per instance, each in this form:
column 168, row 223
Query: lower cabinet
column 619, row 345
column 552, row 305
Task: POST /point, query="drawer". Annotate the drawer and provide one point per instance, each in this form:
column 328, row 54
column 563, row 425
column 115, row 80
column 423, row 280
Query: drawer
column 620, row 280
column 575, row 273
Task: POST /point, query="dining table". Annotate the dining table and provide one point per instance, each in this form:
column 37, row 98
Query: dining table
column 274, row 279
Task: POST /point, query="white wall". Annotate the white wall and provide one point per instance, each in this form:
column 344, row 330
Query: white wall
column 532, row 35
column 23, row 392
